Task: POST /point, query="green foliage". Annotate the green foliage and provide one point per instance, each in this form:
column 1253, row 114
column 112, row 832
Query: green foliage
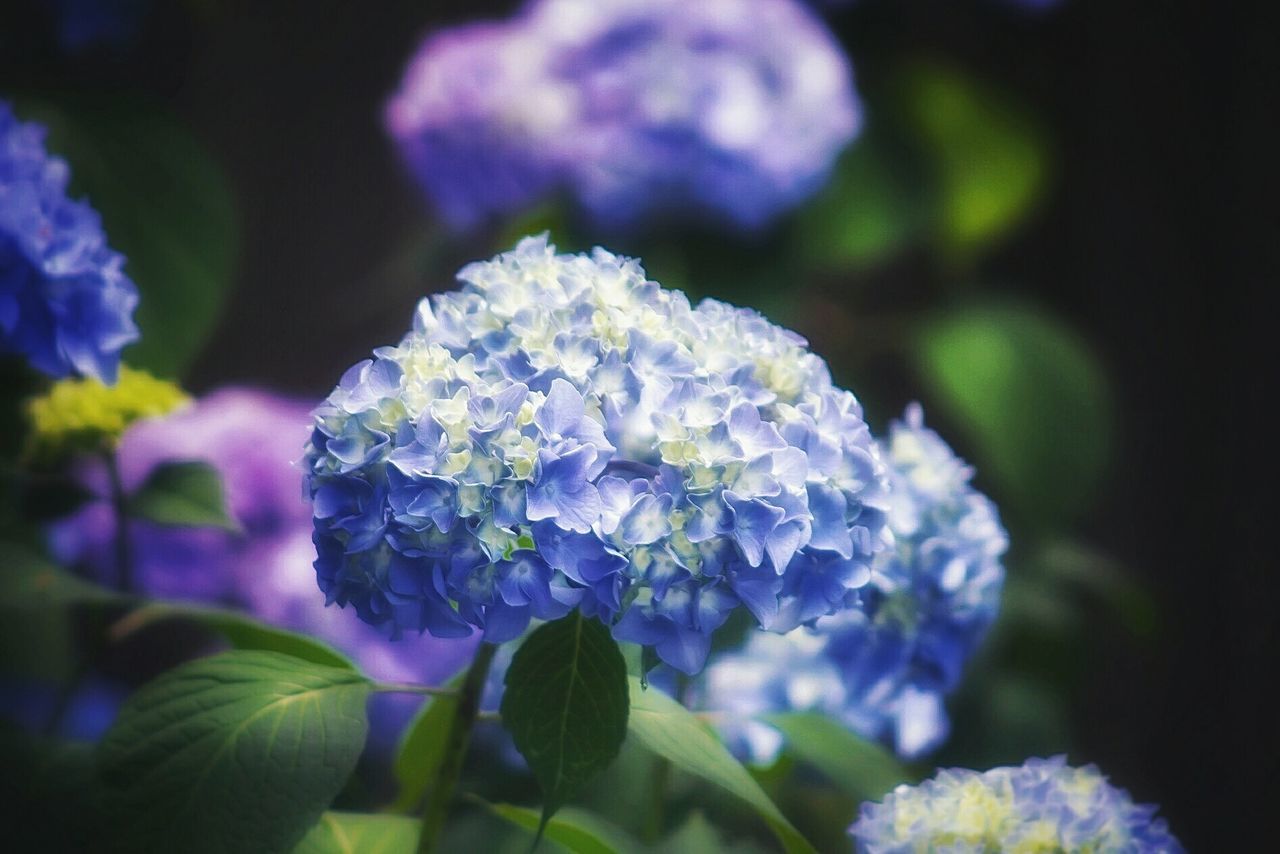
column 565, row 705
column 239, row 630
column 33, row 583
column 182, row 493
column 165, row 204
column 359, row 833
column 38, row 610
column 671, row 731
column 695, row 836
column 48, row 787
column 422, row 747
column 577, row 831
column 1031, row 398
column 863, row 770
column 868, row 211
column 989, row 157
column 239, row 752
column 1102, row 577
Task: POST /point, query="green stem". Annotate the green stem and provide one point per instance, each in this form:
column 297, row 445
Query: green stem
column 124, row 569
column 656, row 821
column 440, row 795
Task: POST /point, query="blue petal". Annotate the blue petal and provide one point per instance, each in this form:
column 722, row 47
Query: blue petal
column 561, row 411
column 753, row 522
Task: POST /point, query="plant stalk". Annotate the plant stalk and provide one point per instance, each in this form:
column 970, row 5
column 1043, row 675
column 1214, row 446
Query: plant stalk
column 124, row 570
column 440, row 795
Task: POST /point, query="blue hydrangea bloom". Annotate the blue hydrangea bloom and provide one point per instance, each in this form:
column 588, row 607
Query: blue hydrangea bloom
column 562, row 433
column 732, row 110
column 885, row 667
column 65, row 302
column 1043, row 805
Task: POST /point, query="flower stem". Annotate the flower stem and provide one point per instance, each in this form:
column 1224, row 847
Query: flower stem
column 124, row 570
column 440, row 794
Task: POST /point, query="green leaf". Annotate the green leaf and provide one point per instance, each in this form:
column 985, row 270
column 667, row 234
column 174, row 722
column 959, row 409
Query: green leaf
column 861, row 769
column 32, row 582
column 165, row 205
column 577, row 830
column 360, row 833
column 868, row 211
column 565, row 705
column 1031, row 399
column 422, row 747
column 671, row 731
column 183, row 493
column 695, row 836
column 991, row 159
column 239, row 630
column 1104, row 577
column 39, row 612
column 242, row 751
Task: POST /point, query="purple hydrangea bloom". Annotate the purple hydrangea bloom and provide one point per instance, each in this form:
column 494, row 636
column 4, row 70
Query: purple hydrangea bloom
column 885, row 667
column 65, row 303
column 252, row 439
column 1041, row 805
column 563, row 433
column 635, row 109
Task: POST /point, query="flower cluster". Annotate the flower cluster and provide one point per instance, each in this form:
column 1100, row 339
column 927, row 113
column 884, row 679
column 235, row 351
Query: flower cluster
column 84, row 414
column 251, row 438
column 1043, row 805
column 563, row 433
column 884, row 668
column 730, row 109
column 65, row 302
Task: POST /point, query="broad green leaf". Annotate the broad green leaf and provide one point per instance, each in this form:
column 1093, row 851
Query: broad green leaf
column 578, row 831
column 239, row 630
column 991, row 159
column 422, row 747
column 1030, row 397
column 671, row 731
column 565, row 705
column 242, row 751
column 360, row 833
column 868, row 211
column 861, row 769
column 165, row 205
column 183, row 493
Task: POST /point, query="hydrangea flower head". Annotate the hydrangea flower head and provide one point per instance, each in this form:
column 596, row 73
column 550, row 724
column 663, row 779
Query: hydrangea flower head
column 1043, row 805
column 65, row 302
column 85, row 414
column 730, row 109
column 563, row 433
column 885, row 667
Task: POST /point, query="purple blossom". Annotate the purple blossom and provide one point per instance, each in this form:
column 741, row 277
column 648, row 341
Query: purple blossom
column 634, row 109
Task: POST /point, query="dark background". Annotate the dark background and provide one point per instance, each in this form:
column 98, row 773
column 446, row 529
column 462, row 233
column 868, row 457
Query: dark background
column 1154, row 242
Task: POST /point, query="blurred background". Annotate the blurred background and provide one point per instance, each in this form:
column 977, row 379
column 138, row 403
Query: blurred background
column 1043, row 232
